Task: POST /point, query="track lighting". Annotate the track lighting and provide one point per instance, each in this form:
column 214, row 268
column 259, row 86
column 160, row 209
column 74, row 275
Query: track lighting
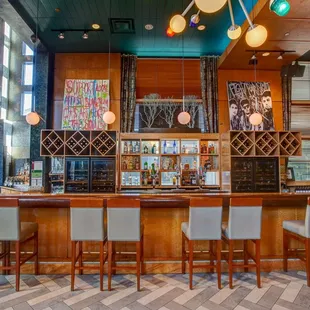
column 280, row 7
column 61, row 32
column 85, row 35
column 280, row 57
column 61, row 35
column 254, row 56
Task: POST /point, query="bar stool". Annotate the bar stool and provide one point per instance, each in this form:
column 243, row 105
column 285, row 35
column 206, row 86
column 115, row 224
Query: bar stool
column 300, row 231
column 11, row 229
column 205, row 221
column 245, row 221
column 87, row 224
column 124, row 224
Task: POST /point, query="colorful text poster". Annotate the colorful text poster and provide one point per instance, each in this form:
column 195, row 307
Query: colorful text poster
column 85, row 102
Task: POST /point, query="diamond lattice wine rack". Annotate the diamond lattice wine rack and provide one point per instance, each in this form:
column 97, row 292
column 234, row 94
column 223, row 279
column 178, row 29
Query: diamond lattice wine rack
column 78, row 143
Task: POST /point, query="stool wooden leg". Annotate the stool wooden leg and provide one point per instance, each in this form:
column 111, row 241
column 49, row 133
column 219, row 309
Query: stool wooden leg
column 285, row 250
column 80, row 257
column 183, row 253
column 138, row 256
column 142, row 254
column 190, row 261
column 4, row 259
column 114, row 258
column 17, row 266
column 211, row 255
column 110, row 249
column 230, row 262
column 101, row 259
column 245, row 255
column 8, row 256
column 257, row 248
column 308, row 260
column 73, row 252
column 218, row 262
column 36, row 250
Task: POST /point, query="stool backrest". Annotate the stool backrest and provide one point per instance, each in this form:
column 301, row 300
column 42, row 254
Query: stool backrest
column 307, row 220
column 87, row 219
column 245, row 218
column 124, row 219
column 205, row 218
column 9, row 219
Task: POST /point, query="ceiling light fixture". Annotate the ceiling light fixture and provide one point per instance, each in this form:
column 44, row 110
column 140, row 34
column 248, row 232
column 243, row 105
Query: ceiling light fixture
column 254, row 56
column 210, row 6
column 95, row 26
column 280, row 57
column 286, row 34
column 266, row 54
column 195, row 19
column 177, row 23
column 234, row 31
column 85, row 35
column 149, row 27
column 201, row 27
column 61, row 35
column 57, row 10
column 280, row 7
column 169, row 32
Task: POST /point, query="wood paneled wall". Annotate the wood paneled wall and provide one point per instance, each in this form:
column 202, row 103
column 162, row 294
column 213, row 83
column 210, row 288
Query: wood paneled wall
column 164, row 76
column 86, row 66
column 273, row 77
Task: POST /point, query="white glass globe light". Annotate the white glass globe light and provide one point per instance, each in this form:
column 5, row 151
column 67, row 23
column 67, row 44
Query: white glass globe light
column 109, row 117
column 234, row 32
column 210, row 6
column 256, row 36
column 256, row 119
column 184, row 118
column 33, row 118
column 177, row 23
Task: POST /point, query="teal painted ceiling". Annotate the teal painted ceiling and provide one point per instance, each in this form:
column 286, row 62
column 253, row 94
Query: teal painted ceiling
column 81, row 14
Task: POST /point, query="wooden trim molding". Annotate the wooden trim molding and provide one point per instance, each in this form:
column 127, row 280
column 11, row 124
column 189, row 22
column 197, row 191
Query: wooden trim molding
column 9, row 202
column 246, row 202
column 86, row 202
column 123, row 203
column 206, row 202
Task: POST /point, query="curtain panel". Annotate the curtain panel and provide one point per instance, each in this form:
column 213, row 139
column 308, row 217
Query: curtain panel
column 286, row 101
column 209, row 88
column 128, row 92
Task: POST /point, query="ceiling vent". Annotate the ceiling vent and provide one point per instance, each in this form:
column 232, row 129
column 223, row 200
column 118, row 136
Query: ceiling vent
column 122, row 25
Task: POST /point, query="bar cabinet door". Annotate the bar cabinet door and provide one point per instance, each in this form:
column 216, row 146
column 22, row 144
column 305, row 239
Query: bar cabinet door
column 103, row 175
column 266, row 175
column 77, row 175
column 242, row 175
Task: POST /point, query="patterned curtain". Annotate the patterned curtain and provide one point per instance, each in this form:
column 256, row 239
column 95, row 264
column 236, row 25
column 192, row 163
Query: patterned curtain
column 128, row 92
column 209, row 88
column 286, row 101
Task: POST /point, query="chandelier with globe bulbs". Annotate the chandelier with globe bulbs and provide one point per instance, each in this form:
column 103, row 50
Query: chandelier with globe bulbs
column 256, row 34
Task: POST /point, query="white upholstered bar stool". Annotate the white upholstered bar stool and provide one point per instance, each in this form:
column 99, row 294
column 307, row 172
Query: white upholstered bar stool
column 87, row 224
column 300, row 231
column 244, row 223
column 124, row 224
column 12, row 230
column 205, row 222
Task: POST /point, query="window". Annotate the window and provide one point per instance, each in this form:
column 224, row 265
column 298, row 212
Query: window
column 4, row 87
column 27, row 73
column 27, row 51
column 301, row 85
column 26, row 102
column 5, row 56
column 7, row 30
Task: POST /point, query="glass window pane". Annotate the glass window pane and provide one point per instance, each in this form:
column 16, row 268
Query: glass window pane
column 5, row 56
column 27, row 51
column 27, row 73
column 26, row 102
column 4, row 87
column 7, row 30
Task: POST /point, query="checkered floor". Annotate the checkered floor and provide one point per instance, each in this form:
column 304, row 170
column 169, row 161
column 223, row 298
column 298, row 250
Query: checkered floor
column 280, row 291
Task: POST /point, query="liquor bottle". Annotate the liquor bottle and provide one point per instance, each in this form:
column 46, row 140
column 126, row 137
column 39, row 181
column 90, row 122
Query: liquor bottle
column 137, row 164
column 137, row 147
column 174, row 180
column 130, row 179
column 145, row 165
column 130, row 147
column 125, row 148
column 146, row 149
column 174, row 147
column 183, row 149
column 154, row 149
column 195, row 149
column 195, row 164
column 165, row 147
column 130, row 166
column 124, row 166
column 145, row 180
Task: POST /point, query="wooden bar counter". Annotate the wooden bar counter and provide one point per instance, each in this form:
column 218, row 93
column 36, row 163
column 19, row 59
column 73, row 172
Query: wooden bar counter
column 162, row 215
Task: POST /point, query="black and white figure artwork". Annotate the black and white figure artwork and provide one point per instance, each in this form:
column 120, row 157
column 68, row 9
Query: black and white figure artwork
column 246, row 98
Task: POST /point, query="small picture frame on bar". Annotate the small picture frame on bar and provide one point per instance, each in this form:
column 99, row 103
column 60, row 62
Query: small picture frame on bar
column 290, row 174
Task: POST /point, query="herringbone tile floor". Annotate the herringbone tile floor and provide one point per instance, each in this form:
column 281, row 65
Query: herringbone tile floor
column 280, row 291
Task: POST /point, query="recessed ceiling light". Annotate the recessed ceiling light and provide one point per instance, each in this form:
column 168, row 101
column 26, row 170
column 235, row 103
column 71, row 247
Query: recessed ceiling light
column 148, row 26
column 57, row 10
column 95, row 26
column 266, row 54
column 201, row 27
column 287, row 34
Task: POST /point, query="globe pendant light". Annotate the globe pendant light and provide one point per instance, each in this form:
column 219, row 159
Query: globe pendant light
column 256, row 119
column 256, row 36
column 33, row 118
column 184, row 118
column 177, row 23
column 280, row 7
column 234, row 31
column 210, row 6
column 109, row 117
